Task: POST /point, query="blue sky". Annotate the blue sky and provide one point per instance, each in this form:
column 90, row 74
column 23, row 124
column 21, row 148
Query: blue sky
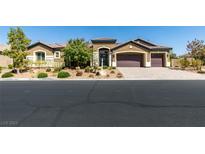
column 172, row 36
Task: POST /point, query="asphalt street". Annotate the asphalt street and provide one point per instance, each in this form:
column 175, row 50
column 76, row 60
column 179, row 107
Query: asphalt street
column 152, row 103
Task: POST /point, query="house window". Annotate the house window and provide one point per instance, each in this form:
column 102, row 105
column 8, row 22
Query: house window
column 57, row 54
column 40, row 56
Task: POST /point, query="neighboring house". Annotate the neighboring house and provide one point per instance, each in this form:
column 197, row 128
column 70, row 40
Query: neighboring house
column 4, row 60
column 3, row 47
column 49, row 53
column 106, row 52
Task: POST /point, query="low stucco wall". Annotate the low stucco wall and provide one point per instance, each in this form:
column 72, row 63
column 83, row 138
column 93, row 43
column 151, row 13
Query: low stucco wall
column 5, row 61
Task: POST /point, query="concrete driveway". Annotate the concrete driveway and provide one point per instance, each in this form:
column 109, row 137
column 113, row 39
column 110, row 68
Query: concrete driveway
column 158, row 74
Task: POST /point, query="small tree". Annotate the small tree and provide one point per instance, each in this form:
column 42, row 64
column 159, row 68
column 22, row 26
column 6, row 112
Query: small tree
column 77, row 53
column 194, row 46
column 18, row 44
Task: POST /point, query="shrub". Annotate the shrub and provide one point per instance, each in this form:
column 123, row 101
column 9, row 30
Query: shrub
column 87, row 69
column 91, row 76
column 119, row 75
column 184, row 63
column 91, row 70
column 109, row 68
column 201, row 72
column 7, row 75
column 97, row 74
column 105, row 67
column 197, row 64
column 79, row 73
column 63, row 74
column 0, row 69
column 112, row 72
column 48, row 70
column 99, row 68
column 113, row 67
column 10, row 66
column 42, row 75
column 57, row 69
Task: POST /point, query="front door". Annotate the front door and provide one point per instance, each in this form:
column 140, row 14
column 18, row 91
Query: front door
column 104, row 57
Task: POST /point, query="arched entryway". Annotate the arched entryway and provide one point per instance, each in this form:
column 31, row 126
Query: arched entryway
column 104, row 57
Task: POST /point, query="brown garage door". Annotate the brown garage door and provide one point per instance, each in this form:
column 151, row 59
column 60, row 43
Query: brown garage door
column 129, row 60
column 157, row 60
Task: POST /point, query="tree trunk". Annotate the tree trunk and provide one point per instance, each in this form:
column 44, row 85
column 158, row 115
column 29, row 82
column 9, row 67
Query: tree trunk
column 17, row 70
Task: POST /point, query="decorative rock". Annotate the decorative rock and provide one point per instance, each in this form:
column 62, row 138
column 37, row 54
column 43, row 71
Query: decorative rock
column 103, row 73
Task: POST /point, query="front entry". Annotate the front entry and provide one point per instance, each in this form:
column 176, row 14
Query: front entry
column 104, row 57
column 129, row 60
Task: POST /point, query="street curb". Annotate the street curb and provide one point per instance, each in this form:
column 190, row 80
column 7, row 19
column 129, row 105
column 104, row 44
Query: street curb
column 120, row 79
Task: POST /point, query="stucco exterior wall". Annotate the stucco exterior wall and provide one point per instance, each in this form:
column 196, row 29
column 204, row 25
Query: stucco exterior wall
column 5, row 61
column 48, row 51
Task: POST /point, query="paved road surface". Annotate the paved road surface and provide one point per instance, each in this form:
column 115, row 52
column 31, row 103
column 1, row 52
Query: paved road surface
column 102, row 103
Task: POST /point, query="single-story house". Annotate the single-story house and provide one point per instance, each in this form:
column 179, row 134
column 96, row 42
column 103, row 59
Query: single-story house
column 107, row 52
column 135, row 53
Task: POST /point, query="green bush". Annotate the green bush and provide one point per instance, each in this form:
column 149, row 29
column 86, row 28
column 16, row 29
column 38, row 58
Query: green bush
column 48, row 70
column 105, row 67
column 63, row 74
column 0, row 69
column 113, row 67
column 184, row 63
column 7, row 75
column 87, row 69
column 42, row 75
column 57, row 69
column 10, row 66
column 92, row 70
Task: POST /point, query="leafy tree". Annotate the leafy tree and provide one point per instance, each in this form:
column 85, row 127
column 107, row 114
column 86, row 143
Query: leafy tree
column 77, row 53
column 18, row 44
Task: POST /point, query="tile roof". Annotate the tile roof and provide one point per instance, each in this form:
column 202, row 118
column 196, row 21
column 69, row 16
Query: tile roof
column 144, row 44
column 103, row 39
column 53, row 45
